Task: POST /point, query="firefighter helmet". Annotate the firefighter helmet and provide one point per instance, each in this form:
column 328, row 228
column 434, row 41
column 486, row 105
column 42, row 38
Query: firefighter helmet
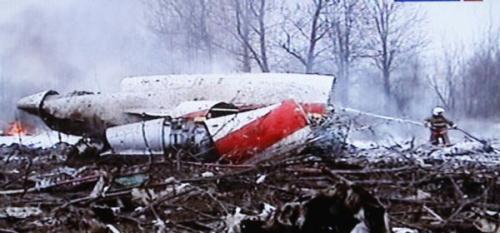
column 437, row 111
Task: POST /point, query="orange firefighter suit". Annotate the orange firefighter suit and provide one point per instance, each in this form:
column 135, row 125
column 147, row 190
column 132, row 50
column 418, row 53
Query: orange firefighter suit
column 439, row 129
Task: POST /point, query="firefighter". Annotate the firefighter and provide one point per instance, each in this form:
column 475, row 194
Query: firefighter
column 439, row 126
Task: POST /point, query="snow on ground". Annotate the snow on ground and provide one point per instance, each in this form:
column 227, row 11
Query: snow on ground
column 468, row 152
column 379, row 140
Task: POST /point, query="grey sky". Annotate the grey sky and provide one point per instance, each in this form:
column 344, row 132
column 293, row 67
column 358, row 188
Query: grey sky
column 445, row 22
column 458, row 23
column 92, row 44
column 111, row 39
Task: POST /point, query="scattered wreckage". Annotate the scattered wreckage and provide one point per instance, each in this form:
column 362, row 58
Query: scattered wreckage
column 403, row 188
column 214, row 117
column 271, row 175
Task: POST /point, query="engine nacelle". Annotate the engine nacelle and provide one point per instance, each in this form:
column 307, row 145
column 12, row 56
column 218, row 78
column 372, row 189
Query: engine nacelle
column 158, row 137
column 250, row 136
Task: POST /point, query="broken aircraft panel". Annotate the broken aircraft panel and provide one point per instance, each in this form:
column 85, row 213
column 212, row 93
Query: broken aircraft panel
column 234, row 116
column 264, row 88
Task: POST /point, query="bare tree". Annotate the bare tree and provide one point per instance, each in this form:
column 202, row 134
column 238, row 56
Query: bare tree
column 394, row 34
column 185, row 28
column 251, row 18
column 411, row 78
column 469, row 85
column 312, row 28
column 445, row 84
column 243, row 29
column 198, row 30
column 347, row 22
column 481, row 80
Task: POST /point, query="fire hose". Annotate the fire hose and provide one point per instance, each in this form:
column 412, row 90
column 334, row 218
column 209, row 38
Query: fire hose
column 486, row 145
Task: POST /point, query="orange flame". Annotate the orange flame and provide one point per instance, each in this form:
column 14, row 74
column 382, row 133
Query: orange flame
column 16, row 128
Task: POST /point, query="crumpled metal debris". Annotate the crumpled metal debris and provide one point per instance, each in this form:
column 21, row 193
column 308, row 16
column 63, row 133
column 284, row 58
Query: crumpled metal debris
column 487, row 221
column 340, row 208
column 132, row 181
column 147, row 196
column 239, row 222
column 421, row 187
column 403, row 230
column 20, row 212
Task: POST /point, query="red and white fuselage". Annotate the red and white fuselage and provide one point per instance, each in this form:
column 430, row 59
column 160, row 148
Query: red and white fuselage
column 236, row 116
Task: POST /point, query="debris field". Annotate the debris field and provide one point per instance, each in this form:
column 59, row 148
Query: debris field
column 421, row 188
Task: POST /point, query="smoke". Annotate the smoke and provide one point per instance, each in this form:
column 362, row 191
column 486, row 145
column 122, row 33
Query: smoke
column 73, row 45
column 69, row 45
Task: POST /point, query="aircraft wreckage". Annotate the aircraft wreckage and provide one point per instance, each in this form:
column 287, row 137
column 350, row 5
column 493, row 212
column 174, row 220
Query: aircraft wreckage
column 237, row 118
column 240, row 118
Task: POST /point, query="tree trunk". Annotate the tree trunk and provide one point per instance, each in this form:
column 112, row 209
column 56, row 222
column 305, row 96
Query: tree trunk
column 262, row 37
column 387, row 84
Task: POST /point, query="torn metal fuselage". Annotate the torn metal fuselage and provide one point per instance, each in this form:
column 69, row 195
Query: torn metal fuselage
column 161, row 136
column 233, row 116
column 235, row 137
column 82, row 114
column 340, row 208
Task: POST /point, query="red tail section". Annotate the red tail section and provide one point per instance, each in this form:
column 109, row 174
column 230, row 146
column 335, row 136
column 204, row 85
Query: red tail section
column 267, row 129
